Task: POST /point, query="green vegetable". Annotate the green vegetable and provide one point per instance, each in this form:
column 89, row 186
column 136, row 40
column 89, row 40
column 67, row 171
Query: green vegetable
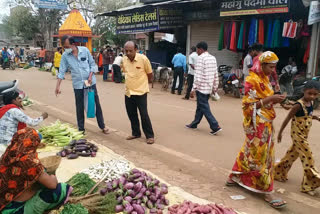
column 81, row 184
column 59, row 134
column 74, row 209
column 101, row 204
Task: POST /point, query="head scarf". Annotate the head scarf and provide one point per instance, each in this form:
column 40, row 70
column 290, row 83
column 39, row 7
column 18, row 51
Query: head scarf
column 268, row 57
column 20, row 166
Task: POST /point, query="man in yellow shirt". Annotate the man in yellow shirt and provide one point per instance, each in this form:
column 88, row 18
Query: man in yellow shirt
column 138, row 75
column 57, row 58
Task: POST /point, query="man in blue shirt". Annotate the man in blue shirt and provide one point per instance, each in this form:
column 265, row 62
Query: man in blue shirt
column 5, row 57
column 179, row 62
column 79, row 60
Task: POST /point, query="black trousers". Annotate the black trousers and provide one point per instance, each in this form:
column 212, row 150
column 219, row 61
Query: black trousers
column 79, row 95
column 178, row 72
column 117, row 77
column 190, row 84
column 134, row 103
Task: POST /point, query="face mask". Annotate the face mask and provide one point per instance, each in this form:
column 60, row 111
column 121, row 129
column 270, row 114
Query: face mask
column 68, row 50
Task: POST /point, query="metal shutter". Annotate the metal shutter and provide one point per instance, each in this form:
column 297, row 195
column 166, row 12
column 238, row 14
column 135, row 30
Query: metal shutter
column 208, row 31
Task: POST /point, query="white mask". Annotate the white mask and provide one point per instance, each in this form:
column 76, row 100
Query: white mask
column 68, row 50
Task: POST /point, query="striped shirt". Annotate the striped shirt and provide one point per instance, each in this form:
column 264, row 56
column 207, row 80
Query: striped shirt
column 206, row 77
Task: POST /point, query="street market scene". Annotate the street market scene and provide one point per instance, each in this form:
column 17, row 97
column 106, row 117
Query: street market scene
column 159, row 106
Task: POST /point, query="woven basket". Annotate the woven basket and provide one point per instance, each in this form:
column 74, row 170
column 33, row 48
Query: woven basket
column 51, row 163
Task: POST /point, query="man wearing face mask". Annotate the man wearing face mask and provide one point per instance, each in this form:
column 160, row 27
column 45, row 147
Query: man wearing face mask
column 80, row 61
column 286, row 77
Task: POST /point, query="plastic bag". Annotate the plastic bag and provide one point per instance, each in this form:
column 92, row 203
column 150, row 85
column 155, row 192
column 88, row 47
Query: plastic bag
column 89, row 102
column 215, row 97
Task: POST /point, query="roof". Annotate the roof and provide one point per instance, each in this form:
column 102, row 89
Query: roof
column 75, row 25
column 141, row 6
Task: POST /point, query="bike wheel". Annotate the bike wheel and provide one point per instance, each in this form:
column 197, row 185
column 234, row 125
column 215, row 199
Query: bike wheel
column 236, row 92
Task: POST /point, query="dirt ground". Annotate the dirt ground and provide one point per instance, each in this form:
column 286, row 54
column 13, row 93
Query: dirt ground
column 190, row 159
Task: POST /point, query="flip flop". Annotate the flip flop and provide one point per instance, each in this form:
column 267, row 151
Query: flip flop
column 150, row 141
column 231, row 183
column 132, row 137
column 276, row 201
column 105, row 131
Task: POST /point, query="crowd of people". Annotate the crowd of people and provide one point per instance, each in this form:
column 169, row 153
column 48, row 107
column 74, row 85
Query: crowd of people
column 254, row 168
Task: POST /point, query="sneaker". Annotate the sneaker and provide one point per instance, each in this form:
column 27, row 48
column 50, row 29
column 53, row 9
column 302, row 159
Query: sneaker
column 190, row 127
column 216, row 131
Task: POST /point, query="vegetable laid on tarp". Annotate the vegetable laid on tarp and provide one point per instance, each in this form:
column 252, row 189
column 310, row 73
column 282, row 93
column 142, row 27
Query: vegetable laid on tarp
column 138, row 192
column 60, row 134
column 113, row 168
column 78, row 148
column 81, row 184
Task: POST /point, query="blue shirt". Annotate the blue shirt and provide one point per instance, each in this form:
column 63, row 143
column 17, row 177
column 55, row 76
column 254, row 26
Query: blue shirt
column 80, row 67
column 4, row 54
column 180, row 60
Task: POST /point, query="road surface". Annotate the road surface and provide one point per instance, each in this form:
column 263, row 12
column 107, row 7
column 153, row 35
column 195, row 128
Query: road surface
column 192, row 154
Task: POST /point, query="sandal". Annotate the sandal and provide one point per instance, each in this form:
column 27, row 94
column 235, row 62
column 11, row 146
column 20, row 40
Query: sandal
column 273, row 203
column 132, row 137
column 150, row 141
column 105, row 131
column 231, row 183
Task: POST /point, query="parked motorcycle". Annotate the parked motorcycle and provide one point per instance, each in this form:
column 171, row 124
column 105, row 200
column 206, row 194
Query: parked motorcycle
column 230, row 83
column 9, row 64
column 7, row 87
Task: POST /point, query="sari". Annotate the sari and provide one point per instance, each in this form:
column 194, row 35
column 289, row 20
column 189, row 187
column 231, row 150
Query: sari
column 20, row 169
column 254, row 165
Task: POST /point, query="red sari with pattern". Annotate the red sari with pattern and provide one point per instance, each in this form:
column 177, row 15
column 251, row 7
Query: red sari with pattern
column 20, row 166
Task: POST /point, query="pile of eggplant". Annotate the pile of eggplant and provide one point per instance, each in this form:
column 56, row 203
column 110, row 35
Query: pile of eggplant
column 137, row 193
column 78, row 148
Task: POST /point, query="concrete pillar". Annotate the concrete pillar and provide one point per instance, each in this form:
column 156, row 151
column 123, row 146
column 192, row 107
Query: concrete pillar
column 312, row 62
column 188, row 45
column 147, row 42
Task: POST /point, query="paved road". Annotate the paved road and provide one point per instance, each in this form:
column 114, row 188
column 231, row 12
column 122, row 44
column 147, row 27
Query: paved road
column 196, row 150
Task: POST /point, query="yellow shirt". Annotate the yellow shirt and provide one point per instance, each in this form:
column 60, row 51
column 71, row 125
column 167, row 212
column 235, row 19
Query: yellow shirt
column 57, row 59
column 136, row 74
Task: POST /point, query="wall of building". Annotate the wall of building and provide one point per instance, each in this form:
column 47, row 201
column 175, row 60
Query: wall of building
column 208, row 31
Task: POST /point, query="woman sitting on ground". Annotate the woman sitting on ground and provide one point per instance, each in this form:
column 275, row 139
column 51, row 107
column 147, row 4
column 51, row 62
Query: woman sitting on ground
column 13, row 119
column 25, row 186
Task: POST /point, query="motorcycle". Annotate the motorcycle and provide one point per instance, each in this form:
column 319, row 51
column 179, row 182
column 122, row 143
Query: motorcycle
column 7, row 87
column 9, row 64
column 230, row 83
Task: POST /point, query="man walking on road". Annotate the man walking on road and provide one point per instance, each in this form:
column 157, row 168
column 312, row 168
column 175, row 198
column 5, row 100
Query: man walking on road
column 192, row 63
column 206, row 81
column 247, row 63
column 108, row 59
column 79, row 60
column 138, row 73
column 180, row 66
column 42, row 55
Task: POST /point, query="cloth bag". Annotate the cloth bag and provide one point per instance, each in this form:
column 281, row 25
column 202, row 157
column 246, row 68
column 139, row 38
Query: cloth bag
column 89, row 102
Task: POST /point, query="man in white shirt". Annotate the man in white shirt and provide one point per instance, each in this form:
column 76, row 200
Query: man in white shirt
column 247, row 63
column 117, row 77
column 206, row 81
column 192, row 64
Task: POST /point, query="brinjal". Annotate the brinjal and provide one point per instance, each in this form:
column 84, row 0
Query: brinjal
column 164, row 190
column 135, row 171
column 81, row 141
column 138, row 196
column 119, row 208
column 147, row 193
column 128, row 186
column 72, row 156
column 128, row 208
column 153, row 198
column 84, row 154
column 149, row 205
column 137, row 187
column 145, row 199
column 119, row 199
column 128, row 198
column 115, row 183
column 93, row 154
column 138, row 208
column 63, row 153
column 103, row 191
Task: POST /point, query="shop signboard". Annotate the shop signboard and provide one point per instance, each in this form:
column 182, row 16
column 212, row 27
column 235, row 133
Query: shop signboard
column 251, row 7
column 170, row 18
column 51, row 4
column 314, row 12
column 138, row 21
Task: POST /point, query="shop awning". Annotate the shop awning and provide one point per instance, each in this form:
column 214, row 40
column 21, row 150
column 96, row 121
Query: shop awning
column 144, row 6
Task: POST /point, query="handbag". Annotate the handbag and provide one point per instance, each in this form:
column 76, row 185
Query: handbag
column 89, row 102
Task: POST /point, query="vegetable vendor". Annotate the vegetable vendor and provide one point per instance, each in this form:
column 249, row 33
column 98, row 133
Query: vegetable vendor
column 13, row 119
column 25, row 186
column 80, row 61
column 254, row 165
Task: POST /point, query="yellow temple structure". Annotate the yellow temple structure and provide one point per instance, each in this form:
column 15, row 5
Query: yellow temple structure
column 76, row 26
